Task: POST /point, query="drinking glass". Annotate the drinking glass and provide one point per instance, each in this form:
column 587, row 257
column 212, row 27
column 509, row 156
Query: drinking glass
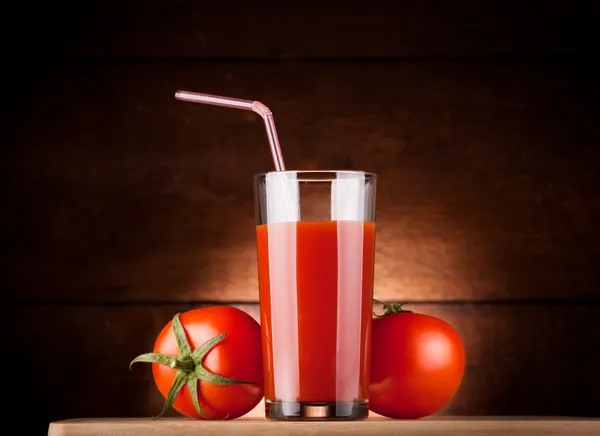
column 316, row 245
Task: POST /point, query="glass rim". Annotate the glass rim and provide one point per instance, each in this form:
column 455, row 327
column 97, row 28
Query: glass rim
column 317, row 175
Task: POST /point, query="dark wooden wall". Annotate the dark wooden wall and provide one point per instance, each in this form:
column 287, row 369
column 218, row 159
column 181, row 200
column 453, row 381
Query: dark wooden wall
column 122, row 206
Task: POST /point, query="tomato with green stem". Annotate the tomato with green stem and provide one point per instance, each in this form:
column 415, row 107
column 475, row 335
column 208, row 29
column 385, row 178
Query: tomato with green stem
column 417, row 363
column 207, row 363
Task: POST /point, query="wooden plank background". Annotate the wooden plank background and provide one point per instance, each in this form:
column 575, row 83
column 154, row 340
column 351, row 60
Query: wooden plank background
column 487, row 176
column 122, row 206
column 515, row 367
column 283, row 30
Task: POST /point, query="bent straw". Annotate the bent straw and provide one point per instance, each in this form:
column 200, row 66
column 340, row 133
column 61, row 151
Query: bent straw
column 238, row 103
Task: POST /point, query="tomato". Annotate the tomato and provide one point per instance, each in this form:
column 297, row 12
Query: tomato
column 417, row 363
column 212, row 354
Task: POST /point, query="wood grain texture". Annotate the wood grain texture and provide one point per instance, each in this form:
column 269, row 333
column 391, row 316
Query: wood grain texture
column 117, row 192
column 521, row 359
column 306, row 29
column 427, row 427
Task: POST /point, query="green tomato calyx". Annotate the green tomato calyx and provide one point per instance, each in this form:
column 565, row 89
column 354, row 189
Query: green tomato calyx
column 390, row 308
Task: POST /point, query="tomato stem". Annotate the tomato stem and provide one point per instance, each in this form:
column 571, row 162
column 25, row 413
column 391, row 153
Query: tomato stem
column 186, row 365
column 390, row 308
column 189, row 366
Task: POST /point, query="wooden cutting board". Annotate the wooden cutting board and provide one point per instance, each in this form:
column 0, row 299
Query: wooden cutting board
column 498, row 426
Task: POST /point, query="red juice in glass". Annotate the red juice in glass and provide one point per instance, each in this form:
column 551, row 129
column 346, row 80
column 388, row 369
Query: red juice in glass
column 316, row 246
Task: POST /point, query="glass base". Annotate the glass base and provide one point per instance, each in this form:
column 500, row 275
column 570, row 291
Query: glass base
column 316, row 411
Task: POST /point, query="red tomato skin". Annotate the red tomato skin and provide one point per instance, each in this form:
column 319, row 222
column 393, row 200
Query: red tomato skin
column 417, row 365
column 238, row 356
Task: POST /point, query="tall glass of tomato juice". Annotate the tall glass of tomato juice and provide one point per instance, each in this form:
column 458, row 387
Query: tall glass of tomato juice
column 316, row 244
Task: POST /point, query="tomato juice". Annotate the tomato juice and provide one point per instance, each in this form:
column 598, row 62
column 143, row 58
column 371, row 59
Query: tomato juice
column 316, row 290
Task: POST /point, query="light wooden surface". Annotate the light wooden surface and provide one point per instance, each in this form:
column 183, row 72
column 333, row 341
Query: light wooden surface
column 252, row 426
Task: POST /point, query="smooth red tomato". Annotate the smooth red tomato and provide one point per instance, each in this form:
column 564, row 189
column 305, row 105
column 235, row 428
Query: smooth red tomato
column 237, row 356
column 418, row 362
